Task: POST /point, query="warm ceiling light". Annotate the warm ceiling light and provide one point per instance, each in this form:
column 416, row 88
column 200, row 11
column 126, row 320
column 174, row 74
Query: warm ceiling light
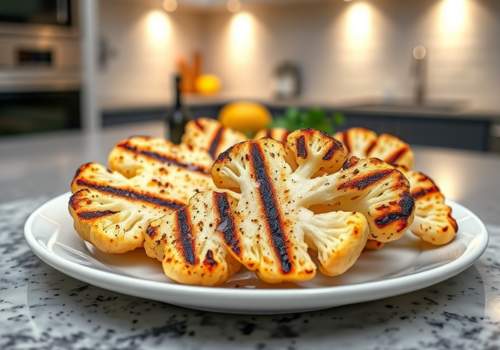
column 233, row 5
column 419, row 52
column 170, row 5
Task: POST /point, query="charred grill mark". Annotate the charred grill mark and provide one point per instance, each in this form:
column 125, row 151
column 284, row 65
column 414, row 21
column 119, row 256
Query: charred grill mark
column 406, row 205
column 285, row 136
column 331, row 151
column 364, row 181
column 350, row 162
column 151, row 231
column 81, row 169
column 370, row 148
column 209, row 260
column 452, row 221
column 164, row 158
column 95, row 214
column 185, row 235
column 271, row 211
column 214, row 144
column 421, row 192
column 394, row 157
column 199, row 125
column 301, row 147
column 346, row 141
column 226, row 222
column 132, row 195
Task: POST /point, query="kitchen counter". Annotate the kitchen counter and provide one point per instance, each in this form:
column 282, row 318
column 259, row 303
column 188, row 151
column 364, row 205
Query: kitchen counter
column 442, row 109
column 42, row 308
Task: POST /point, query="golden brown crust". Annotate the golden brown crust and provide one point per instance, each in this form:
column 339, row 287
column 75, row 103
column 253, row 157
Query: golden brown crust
column 364, row 143
column 210, row 136
column 159, row 177
column 278, row 134
column 434, row 222
column 280, row 190
column 111, row 211
column 192, row 240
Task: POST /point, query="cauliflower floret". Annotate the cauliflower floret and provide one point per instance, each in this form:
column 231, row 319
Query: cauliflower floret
column 279, row 134
column 113, row 212
column 433, row 220
column 165, row 171
column 133, row 155
column 187, row 245
column 362, row 143
column 210, row 136
column 280, row 190
column 358, row 141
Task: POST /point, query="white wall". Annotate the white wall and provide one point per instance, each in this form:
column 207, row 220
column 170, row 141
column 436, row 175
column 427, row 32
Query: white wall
column 148, row 41
column 347, row 50
column 360, row 49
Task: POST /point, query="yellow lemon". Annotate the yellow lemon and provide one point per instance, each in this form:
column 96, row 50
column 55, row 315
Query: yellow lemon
column 245, row 116
column 207, row 84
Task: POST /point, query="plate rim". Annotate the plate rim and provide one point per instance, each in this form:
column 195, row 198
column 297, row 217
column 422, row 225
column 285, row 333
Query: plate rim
column 398, row 284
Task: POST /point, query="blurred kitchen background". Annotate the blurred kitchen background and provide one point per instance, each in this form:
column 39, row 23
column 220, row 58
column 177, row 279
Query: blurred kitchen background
column 427, row 71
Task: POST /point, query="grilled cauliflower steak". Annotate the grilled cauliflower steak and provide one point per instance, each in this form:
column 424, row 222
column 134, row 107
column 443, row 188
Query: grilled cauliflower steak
column 170, row 172
column 279, row 134
column 361, row 143
column 379, row 191
column 132, row 155
column 190, row 250
column 280, row 187
column 113, row 212
column 211, row 136
column 358, row 141
column 433, row 220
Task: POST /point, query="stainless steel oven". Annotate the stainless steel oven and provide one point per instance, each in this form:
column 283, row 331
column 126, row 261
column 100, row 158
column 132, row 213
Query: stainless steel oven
column 39, row 65
column 50, row 12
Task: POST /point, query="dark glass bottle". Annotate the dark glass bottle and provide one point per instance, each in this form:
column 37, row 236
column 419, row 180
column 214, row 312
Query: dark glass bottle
column 178, row 116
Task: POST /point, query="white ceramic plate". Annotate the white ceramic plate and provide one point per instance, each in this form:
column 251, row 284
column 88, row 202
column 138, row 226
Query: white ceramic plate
column 403, row 266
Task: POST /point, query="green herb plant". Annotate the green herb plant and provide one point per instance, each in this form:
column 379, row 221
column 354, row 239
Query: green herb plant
column 314, row 118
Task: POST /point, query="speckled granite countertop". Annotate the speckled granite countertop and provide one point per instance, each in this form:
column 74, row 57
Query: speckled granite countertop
column 43, row 309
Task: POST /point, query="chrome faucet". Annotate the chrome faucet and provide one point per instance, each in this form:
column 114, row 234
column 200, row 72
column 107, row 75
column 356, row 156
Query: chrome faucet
column 419, row 73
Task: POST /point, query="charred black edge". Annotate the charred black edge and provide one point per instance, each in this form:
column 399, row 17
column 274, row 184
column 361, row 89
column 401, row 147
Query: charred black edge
column 397, row 155
column 163, row 158
column 268, row 199
column 226, row 222
column 209, row 259
column 301, row 147
column 130, row 194
column 406, row 204
column 452, row 220
column 186, row 235
column 346, row 141
column 364, row 181
column 81, row 169
column 214, row 144
column 424, row 191
column 350, row 162
column 336, row 145
column 151, row 231
column 199, row 125
column 88, row 215
column 370, row 148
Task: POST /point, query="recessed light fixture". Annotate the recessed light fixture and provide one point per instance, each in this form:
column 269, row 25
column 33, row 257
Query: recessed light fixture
column 233, row 5
column 170, row 5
